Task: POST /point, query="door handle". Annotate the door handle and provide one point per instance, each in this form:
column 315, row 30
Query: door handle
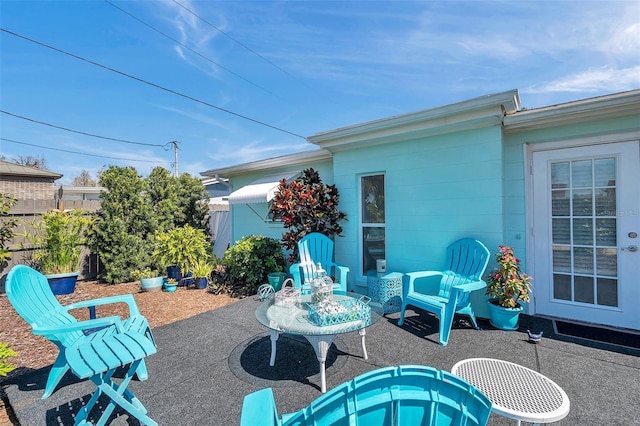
column 632, row 249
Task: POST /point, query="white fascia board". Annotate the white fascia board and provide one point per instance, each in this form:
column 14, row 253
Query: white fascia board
column 270, row 163
column 485, row 110
column 603, row 107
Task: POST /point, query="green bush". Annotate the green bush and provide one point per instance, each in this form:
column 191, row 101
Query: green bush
column 7, row 226
column 6, row 352
column 183, row 246
column 250, row 260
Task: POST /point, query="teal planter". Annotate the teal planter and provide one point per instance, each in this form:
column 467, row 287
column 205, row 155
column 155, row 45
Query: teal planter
column 151, row 284
column 170, row 288
column 504, row 318
column 276, row 279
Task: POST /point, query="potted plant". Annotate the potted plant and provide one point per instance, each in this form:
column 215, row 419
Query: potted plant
column 179, row 248
column 201, row 270
column 170, row 285
column 150, row 279
column 507, row 286
column 58, row 237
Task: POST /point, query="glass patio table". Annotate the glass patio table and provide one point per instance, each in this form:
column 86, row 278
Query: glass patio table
column 295, row 320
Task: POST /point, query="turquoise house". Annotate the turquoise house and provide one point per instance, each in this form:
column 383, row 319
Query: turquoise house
column 560, row 184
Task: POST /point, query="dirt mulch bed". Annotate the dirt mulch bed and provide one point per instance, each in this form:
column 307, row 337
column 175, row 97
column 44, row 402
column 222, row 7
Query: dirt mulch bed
column 159, row 308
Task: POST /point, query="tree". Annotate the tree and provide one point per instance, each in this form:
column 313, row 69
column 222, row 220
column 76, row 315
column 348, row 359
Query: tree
column 31, row 161
column 193, row 206
column 83, row 179
column 125, row 225
column 307, row 205
column 163, row 197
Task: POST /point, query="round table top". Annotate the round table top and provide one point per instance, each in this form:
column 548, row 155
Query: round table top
column 295, row 319
column 515, row 391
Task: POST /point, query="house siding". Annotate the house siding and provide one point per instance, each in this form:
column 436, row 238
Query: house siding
column 438, row 189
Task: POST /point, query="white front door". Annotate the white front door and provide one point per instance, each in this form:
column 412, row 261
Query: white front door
column 586, row 233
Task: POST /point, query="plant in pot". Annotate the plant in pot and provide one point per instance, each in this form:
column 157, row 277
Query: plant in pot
column 57, row 239
column 179, row 248
column 170, row 285
column 201, row 270
column 507, row 286
column 150, row 279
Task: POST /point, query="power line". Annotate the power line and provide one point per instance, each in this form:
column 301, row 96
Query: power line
column 188, row 48
column 83, row 153
column 81, row 133
column 231, row 38
column 157, row 86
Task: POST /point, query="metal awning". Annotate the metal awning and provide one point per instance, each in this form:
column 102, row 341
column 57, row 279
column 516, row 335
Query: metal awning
column 262, row 190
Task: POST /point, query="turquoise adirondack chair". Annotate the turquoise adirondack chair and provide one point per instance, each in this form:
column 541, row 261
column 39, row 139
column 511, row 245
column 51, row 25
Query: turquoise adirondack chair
column 29, row 293
column 317, row 248
column 402, row 395
column 466, row 262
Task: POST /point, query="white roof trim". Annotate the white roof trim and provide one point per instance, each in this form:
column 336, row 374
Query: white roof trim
column 262, row 190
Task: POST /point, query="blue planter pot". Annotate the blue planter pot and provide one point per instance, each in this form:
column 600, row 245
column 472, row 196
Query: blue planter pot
column 174, row 272
column 200, row 283
column 63, row 283
column 504, row 318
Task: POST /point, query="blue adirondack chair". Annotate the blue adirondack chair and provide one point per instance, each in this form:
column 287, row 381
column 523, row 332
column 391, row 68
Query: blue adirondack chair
column 29, row 293
column 402, row 395
column 317, row 248
column 466, row 262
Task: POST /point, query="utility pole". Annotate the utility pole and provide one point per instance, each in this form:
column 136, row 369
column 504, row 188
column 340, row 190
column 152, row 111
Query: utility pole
column 175, row 156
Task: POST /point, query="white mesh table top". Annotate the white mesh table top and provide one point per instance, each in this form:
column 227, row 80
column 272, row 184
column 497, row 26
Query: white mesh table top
column 515, row 391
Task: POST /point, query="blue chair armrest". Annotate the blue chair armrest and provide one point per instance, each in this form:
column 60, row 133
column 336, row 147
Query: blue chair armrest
column 79, row 326
column 259, row 408
column 123, row 298
column 471, row 286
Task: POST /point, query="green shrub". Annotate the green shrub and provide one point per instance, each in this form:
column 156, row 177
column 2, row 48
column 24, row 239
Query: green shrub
column 183, row 246
column 7, row 226
column 6, row 352
column 250, row 260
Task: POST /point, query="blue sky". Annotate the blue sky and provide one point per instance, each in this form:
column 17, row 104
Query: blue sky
column 298, row 67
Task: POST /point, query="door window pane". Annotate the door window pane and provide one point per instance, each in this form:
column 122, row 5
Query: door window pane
column 372, row 205
column 605, row 171
column 560, row 203
column 561, row 287
column 583, row 260
column 583, row 289
column 582, row 202
column 560, row 175
column 581, row 174
column 561, row 231
column 606, row 232
column 607, row 292
column 583, row 231
column 561, row 259
column 606, row 202
column 607, row 262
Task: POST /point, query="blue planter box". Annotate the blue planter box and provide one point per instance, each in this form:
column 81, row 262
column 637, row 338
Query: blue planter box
column 63, row 283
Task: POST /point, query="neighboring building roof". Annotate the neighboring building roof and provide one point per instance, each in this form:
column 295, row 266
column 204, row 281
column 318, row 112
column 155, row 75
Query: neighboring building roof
column 13, row 169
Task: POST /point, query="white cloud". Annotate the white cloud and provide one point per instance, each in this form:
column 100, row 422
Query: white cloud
column 595, row 80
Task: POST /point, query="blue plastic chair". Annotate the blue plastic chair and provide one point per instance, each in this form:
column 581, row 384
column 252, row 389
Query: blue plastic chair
column 402, row 395
column 466, row 262
column 29, row 293
column 317, row 248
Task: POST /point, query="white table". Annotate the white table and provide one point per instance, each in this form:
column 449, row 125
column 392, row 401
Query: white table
column 515, row 391
column 295, row 320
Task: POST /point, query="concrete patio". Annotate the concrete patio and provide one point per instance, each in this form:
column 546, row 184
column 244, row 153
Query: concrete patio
column 205, row 365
